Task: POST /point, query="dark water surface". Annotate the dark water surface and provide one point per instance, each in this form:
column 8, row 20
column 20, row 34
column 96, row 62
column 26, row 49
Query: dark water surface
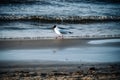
column 36, row 17
column 63, row 10
column 60, row 7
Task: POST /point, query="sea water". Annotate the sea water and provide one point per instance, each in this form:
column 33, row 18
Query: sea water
column 94, row 51
column 35, row 18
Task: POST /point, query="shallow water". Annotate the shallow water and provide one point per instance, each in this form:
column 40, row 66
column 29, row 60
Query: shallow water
column 36, row 29
column 35, row 18
column 79, row 53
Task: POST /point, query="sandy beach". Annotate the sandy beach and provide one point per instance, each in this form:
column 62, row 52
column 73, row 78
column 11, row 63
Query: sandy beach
column 53, row 70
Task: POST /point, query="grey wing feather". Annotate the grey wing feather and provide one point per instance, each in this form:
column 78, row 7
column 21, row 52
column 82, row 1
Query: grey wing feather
column 65, row 32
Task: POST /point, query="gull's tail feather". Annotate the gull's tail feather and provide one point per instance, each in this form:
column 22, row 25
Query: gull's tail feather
column 70, row 32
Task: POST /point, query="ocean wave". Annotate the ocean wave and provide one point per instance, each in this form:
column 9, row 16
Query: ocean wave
column 60, row 19
column 17, row 1
column 13, row 28
column 19, row 28
column 90, row 37
column 49, row 1
column 94, row 1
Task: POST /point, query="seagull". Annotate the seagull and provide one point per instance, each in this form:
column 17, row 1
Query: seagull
column 59, row 31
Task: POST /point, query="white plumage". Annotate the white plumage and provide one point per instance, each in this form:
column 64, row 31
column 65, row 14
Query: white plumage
column 60, row 32
column 57, row 30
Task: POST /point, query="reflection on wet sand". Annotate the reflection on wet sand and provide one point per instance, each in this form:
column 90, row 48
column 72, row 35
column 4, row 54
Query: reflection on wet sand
column 56, row 43
column 36, row 44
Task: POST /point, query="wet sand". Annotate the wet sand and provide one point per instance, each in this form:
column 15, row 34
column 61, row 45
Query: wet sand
column 53, row 70
column 52, row 43
column 36, row 44
column 57, row 70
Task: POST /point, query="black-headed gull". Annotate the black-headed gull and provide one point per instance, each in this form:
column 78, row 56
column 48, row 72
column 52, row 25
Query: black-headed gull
column 59, row 31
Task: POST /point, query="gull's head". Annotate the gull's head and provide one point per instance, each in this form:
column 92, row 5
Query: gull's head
column 54, row 27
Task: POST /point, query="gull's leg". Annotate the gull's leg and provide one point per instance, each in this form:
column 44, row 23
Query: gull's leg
column 59, row 37
column 56, row 37
column 62, row 37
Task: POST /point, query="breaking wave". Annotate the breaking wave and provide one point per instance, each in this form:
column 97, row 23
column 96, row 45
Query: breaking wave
column 50, row 1
column 12, row 28
column 19, row 28
column 61, row 19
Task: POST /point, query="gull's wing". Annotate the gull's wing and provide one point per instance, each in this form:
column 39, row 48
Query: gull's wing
column 65, row 31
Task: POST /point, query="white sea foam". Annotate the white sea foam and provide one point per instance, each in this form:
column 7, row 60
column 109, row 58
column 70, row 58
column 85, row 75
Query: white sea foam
column 31, row 29
column 104, row 41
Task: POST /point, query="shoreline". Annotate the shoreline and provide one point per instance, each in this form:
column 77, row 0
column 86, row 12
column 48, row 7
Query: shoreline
column 23, row 63
column 54, row 43
column 85, row 37
column 56, row 70
column 39, row 44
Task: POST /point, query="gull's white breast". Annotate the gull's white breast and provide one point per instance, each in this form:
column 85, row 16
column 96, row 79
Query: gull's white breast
column 57, row 30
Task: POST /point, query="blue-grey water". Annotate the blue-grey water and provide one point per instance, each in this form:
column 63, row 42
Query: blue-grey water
column 100, row 51
column 35, row 18
column 61, row 7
